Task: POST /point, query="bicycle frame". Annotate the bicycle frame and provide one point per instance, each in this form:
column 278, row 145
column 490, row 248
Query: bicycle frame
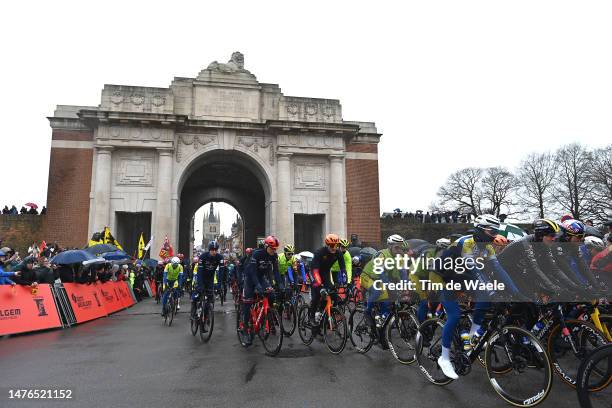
column 257, row 312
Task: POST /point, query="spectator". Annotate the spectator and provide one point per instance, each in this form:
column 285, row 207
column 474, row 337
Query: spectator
column 6, row 210
column 14, row 210
column 609, row 225
column 589, row 223
column 27, row 273
column 43, row 211
column 23, row 210
column 66, row 273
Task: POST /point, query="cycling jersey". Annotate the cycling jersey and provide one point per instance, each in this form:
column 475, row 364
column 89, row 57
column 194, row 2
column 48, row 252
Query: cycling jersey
column 284, row 264
column 322, row 263
column 207, row 267
column 172, row 273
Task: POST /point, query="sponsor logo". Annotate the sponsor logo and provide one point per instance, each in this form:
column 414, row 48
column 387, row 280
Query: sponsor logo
column 97, row 300
column 81, row 302
column 6, row 314
column 107, row 296
column 533, row 399
column 40, row 305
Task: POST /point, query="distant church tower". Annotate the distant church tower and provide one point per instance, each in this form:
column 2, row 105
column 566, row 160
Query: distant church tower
column 211, row 228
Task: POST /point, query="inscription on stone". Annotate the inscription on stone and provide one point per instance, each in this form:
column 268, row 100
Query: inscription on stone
column 227, row 103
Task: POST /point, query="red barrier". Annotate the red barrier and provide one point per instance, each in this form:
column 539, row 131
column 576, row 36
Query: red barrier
column 110, row 296
column 86, row 300
column 153, row 287
column 21, row 310
column 124, row 294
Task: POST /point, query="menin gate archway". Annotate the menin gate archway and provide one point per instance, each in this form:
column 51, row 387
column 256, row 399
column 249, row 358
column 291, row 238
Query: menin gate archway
column 226, row 176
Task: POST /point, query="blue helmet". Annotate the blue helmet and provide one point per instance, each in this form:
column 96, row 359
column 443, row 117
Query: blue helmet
column 213, row 245
column 2, row 253
column 573, row 228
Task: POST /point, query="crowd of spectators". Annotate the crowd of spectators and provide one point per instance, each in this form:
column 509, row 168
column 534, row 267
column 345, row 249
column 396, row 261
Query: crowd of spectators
column 432, row 217
column 32, row 210
column 37, row 268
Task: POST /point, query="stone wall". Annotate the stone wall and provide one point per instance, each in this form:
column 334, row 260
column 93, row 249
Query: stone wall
column 19, row 231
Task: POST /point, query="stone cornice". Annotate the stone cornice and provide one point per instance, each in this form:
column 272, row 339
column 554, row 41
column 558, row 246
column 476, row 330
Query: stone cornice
column 66, row 123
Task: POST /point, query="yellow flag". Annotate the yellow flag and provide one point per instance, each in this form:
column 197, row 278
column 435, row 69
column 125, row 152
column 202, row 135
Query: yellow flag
column 109, row 239
column 141, row 246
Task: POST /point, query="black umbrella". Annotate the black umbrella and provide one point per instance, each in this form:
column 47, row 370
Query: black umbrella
column 72, row 256
column 150, row 263
column 366, row 254
column 354, row 251
column 99, row 249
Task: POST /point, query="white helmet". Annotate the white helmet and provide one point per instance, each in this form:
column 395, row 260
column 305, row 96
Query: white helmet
column 395, row 239
column 594, row 242
column 487, row 221
column 175, row 261
column 443, row 243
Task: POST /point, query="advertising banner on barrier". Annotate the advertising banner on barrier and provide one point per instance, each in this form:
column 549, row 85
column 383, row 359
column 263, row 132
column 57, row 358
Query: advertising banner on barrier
column 23, row 309
column 86, row 301
column 110, row 295
column 153, row 288
column 125, row 294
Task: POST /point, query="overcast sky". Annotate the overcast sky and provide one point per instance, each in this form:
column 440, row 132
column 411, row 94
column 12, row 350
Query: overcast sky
column 450, row 84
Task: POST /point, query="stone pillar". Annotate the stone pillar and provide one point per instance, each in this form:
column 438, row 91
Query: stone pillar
column 336, row 198
column 163, row 208
column 284, row 223
column 102, row 188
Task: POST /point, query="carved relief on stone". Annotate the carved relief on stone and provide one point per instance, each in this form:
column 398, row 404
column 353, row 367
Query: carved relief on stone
column 137, row 99
column 254, row 143
column 311, row 109
column 309, row 175
column 189, row 143
column 293, row 109
column 329, row 111
column 135, row 170
column 158, row 100
column 126, row 132
column 116, row 98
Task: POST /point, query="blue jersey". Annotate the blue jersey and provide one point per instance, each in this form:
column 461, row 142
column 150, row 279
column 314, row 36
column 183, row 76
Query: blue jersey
column 206, row 268
column 261, row 266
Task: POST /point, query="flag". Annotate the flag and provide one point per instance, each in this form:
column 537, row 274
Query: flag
column 141, row 244
column 42, row 247
column 166, row 250
column 146, row 248
column 109, row 239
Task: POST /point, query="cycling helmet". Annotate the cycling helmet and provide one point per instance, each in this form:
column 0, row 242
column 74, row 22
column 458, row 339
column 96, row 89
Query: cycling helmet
column 566, row 217
column 2, row 253
column 213, row 245
column 355, row 260
column 500, row 240
column 545, row 226
column 175, row 261
column 271, row 241
column 594, row 242
column 443, row 243
column 344, row 243
column 248, row 251
column 395, row 239
column 289, row 248
column 573, row 228
column 487, row 221
column 332, row 239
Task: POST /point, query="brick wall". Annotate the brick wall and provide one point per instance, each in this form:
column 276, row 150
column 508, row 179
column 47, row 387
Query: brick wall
column 68, row 191
column 362, row 195
column 19, row 231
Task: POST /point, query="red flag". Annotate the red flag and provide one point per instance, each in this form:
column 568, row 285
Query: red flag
column 166, row 250
column 42, row 247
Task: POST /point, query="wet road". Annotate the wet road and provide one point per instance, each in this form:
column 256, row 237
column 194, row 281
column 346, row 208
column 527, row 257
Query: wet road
column 131, row 360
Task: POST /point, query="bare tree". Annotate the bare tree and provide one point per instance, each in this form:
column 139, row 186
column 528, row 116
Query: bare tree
column 574, row 186
column 600, row 176
column 536, row 176
column 462, row 190
column 498, row 187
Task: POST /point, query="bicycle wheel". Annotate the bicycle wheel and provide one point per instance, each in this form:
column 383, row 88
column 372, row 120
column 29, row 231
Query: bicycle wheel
column 166, row 309
column 530, row 380
column 305, row 326
column 361, row 330
column 402, row 331
column 271, row 332
column 207, row 322
column 289, row 318
column 599, row 360
column 172, row 310
column 429, row 349
column 195, row 317
column 335, row 331
column 568, row 351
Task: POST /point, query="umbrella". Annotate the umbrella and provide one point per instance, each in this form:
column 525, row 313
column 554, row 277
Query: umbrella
column 588, row 230
column 71, row 257
column 414, row 242
column 101, row 249
column 511, row 232
column 366, row 254
column 150, row 263
column 306, row 255
column 31, row 205
column 94, row 261
column 397, row 210
column 116, row 256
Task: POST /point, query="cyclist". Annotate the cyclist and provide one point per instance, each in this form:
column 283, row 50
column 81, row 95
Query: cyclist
column 396, row 245
column 348, row 265
column 173, row 272
column 205, row 278
column 222, row 277
column 321, row 265
column 425, row 271
column 285, row 264
column 263, row 262
column 477, row 247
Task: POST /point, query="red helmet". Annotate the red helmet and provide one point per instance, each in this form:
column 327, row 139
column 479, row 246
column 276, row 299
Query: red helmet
column 249, row 251
column 331, row 239
column 272, row 242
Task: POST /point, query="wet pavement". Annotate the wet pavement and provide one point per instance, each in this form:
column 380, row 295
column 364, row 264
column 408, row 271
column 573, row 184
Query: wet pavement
column 131, row 359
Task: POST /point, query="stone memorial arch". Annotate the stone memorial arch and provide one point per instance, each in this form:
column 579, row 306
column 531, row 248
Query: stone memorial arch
column 146, row 159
